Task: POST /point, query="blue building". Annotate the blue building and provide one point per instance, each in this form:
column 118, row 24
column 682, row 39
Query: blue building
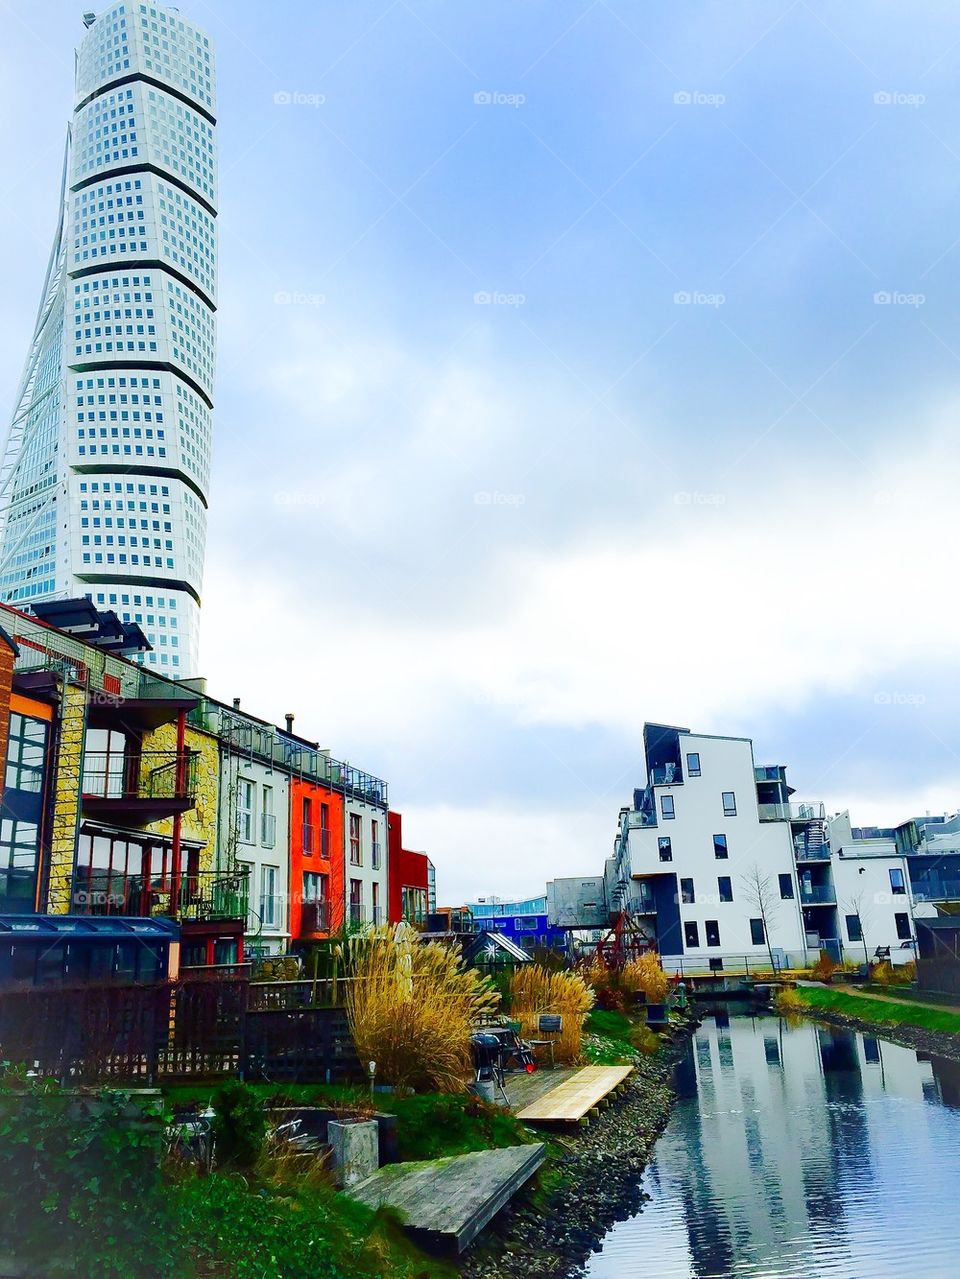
column 523, row 922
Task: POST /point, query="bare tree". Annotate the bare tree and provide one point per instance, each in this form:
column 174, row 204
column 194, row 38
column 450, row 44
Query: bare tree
column 853, row 905
column 761, row 894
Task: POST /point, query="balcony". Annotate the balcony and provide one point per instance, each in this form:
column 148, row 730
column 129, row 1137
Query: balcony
column 204, row 896
column 268, row 830
column 315, row 917
column 666, row 775
column 138, row 788
column 812, row 812
column 936, row 890
column 357, row 915
column 818, row 895
column 378, row 918
column 768, row 773
column 375, row 855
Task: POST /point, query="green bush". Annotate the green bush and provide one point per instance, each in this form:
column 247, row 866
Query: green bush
column 239, row 1126
column 80, row 1184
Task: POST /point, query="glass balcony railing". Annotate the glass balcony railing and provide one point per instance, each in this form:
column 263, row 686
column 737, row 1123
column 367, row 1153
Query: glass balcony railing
column 666, row 775
column 268, row 830
column 936, row 890
column 203, row 895
column 315, row 917
column 807, row 812
column 818, row 894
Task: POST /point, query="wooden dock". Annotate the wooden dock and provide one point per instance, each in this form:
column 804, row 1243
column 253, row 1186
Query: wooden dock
column 445, row 1203
column 572, row 1101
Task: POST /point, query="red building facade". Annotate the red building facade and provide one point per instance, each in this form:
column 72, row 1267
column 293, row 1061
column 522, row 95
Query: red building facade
column 408, row 877
column 317, row 884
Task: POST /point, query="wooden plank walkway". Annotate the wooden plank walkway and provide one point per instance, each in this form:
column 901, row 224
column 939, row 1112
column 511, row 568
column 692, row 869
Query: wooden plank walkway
column 571, row 1101
column 445, row 1203
column 523, row 1089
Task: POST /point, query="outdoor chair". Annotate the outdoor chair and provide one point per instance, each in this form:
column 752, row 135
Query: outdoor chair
column 550, row 1025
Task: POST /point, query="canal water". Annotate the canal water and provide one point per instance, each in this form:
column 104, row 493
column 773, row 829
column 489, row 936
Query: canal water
column 799, row 1152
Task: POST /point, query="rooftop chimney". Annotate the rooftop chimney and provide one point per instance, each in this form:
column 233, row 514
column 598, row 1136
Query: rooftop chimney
column 289, row 718
column 236, row 703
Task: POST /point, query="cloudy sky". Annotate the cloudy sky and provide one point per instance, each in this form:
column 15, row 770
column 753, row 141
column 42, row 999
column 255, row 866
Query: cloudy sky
column 580, row 363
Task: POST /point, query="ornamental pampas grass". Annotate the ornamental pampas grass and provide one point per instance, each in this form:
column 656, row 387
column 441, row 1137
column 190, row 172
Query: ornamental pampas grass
column 411, row 1008
column 534, row 990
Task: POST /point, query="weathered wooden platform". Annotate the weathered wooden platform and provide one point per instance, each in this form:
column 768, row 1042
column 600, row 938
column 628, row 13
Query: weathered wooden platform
column 523, row 1089
column 445, row 1203
column 571, row 1101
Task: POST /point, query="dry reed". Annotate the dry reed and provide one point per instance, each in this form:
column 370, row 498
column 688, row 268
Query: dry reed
column 646, row 974
column 534, row 990
column 411, row 1008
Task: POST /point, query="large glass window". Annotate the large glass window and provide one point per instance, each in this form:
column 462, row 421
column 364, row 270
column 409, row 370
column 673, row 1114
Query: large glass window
column 245, row 804
column 854, row 931
column 19, row 842
column 26, row 753
column 107, row 764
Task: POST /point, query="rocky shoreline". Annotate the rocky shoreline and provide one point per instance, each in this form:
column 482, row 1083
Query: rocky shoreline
column 939, row 1043
column 597, row 1183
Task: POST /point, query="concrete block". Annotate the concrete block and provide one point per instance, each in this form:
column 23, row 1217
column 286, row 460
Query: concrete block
column 355, row 1150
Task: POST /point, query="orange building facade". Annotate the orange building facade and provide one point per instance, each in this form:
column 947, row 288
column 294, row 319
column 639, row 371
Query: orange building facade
column 317, row 883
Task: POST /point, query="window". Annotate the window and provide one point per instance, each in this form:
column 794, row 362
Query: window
column 720, row 846
column 356, row 851
column 686, row 891
column 666, row 848
column 414, row 905
column 306, row 819
column 897, row 885
column 666, row 808
column 693, row 764
column 712, row 929
column 324, row 830
column 26, row 750
column 757, row 935
column 376, row 904
column 903, row 926
column 268, row 822
column 19, row 841
column 356, row 901
column 269, row 899
column 691, row 935
column 245, row 801
column 375, row 844
column 786, row 887
column 854, row 931
column 725, row 888
column 729, row 804
column 315, row 916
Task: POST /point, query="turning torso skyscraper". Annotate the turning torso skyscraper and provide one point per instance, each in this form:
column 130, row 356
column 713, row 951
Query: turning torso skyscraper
column 104, row 480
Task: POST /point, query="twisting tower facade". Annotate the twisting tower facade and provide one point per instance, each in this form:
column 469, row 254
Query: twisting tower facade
column 105, row 474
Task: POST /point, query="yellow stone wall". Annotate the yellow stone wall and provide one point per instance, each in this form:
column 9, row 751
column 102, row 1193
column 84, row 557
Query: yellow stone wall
column 200, row 823
column 66, row 797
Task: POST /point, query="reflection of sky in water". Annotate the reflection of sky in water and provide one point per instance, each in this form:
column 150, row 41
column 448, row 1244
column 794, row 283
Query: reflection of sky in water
column 799, row 1153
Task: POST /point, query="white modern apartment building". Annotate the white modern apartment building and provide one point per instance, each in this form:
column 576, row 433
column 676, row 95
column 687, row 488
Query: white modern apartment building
column 255, row 810
column 711, row 832
column 105, row 473
column 365, row 860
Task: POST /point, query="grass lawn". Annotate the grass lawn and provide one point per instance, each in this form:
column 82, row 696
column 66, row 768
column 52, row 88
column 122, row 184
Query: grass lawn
column 880, row 1012
column 620, row 1038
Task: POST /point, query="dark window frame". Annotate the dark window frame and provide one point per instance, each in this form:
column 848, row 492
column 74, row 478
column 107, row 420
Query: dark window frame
column 729, row 809
column 712, row 929
column 688, row 892
column 788, row 878
column 667, row 815
column 665, row 845
column 854, row 928
column 756, row 926
column 725, row 893
column 720, row 841
column 693, row 770
column 902, row 921
column 691, row 934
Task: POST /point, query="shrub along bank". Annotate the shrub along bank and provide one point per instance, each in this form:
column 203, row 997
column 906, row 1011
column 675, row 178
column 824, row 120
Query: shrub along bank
column 880, row 1012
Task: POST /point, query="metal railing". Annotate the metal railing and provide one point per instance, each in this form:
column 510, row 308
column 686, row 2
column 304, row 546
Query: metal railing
column 204, row 895
column 934, row 890
column 807, row 812
column 377, row 916
column 268, row 830
column 148, row 775
column 324, row 841
column 308, row 832
column 315, row 917
column 822, row 894
column 666, row 775
column 357, row 915
column 375, row 855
